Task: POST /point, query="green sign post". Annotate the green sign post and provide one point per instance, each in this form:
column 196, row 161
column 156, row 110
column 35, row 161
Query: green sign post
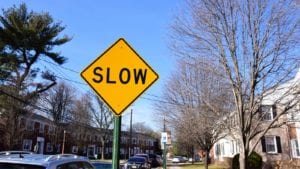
column 116, row 143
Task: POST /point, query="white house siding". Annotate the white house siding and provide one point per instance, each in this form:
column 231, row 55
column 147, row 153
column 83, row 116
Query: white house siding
column 226, row 147
column 288, row 134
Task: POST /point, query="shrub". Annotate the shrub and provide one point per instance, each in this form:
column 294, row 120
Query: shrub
column 254, row 161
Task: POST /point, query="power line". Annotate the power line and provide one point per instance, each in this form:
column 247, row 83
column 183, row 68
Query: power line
column 77, row 72
column 63, row 67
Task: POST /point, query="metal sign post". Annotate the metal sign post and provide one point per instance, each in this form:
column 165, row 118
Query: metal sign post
column 165, row 156
column 164, row 139
column 116, row 142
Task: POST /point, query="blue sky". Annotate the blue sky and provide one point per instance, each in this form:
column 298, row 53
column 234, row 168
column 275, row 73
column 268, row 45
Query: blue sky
column 95, row 25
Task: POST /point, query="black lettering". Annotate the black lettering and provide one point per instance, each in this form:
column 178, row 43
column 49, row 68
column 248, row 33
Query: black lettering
column 140, row 75
column 108, row 77
column 97, row 71
column 121, row 76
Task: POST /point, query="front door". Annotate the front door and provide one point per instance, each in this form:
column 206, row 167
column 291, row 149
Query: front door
column 91, row 151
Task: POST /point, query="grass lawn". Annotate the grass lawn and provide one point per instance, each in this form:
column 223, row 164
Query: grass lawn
column 200, row 166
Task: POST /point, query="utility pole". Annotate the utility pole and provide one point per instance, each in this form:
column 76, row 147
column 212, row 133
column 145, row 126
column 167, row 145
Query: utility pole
column 63, row 145
column 130, row 135
column 165, row 148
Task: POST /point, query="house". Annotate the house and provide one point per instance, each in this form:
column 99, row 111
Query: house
column 279, row 146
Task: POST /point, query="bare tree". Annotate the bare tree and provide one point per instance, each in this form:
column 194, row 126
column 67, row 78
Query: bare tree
column 194, row 106
column 103, row 119
column 82, row 119
column 256, row 43
column 140, row 127
column 59, row 102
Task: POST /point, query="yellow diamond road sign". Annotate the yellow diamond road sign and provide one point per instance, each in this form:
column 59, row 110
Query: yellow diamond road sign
column 119, row 76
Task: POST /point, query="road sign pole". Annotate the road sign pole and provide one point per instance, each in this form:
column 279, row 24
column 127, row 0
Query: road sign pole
column 116, row 143
column 165, row 156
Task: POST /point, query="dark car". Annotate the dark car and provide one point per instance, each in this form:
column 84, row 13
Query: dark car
column 102, row 165
column 137, row 162
column 144, row 155
column 156, row 160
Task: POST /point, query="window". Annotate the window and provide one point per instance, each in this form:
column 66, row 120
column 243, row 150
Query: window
column 295, row 148
column 51, row 130
column 42, row 126
column 122, row 151
column 217, row 149
column 22, row 123
column 150, row 143
column 36, row 126
column 293, row 114
column 49, row 147
column 232, row 147
column 23, row 166
column 268, row 112
column 27, row 144
column 74, row 149
column 123, row 140
column 134, row 141
column 57, row 148
column 99, row 149
column 271, row 144
column 75, row 165
column 30, row 125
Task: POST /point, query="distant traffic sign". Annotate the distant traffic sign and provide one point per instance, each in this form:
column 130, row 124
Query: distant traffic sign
column 119, row 76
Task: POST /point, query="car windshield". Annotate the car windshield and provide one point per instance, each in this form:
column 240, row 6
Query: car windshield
column 19, row 166
column 136, row 160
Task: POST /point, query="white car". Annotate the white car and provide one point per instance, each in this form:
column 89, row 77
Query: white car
column 38, row 161
column 177, row 159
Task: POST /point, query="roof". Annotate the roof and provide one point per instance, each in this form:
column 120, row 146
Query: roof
column 284, row 92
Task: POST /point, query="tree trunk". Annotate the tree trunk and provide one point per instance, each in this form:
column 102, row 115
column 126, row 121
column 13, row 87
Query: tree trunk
column 102, row 150
column 243, row 160
column 206, row 158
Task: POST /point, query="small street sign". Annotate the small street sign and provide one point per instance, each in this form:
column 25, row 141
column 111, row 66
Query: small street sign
column 164, row 137
column 119, row 76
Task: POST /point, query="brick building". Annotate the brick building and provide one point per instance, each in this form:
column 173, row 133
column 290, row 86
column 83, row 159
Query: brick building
column 41, row 135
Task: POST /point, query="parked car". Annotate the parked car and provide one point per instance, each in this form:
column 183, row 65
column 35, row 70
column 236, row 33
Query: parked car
column 196, row 159
column 39, row 161
column 137, row 162
column 144, row 155
column 102, row 165
column 177, row 159
column 184, row 159
column 156, row 160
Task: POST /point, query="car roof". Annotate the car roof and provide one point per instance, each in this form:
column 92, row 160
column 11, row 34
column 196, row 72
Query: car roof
column 137, row 157
column 25, row 159
column 144, row 155
column 39, row 159
column 15, row 152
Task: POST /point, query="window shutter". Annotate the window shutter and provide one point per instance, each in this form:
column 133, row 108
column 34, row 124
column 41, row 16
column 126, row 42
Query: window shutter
column 278, row 143
column 274, row 111
column 263, row 144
